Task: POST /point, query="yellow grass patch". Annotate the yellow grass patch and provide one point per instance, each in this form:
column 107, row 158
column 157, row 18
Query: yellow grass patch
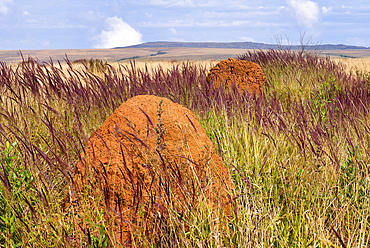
column 356, row 64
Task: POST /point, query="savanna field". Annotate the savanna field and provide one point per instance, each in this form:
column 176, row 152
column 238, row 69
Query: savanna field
column 298, row 152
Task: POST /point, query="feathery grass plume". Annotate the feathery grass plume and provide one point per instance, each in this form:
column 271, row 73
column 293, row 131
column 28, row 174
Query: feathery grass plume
column 298, row 153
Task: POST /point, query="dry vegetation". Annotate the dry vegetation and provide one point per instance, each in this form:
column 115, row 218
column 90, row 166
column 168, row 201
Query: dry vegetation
column 299, row 153
column 355, row 64
column 168, row 64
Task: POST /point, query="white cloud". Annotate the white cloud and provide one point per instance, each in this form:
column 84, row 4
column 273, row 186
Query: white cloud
column 119, row 34
column 326, row 10
column 173, row 31
column 307, row 12
column 236, row 4
column 358, row 41
column 192, row 23
column 92, row 16
column 26, row 13
column 249, row 39
column 170, row 3
column 198, row 4
column 4, row 9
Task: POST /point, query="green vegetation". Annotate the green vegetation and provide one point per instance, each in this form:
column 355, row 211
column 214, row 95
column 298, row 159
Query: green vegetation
column 93, row 65
column 138, row 57
column 299, row 153
column 158, row 53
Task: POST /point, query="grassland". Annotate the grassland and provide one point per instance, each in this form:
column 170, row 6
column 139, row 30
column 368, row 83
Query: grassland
column 299, row 153
column 154, row 54
column 124, row 54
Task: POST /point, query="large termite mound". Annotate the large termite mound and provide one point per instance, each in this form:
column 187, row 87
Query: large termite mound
column 244, row 74
column 152, row 158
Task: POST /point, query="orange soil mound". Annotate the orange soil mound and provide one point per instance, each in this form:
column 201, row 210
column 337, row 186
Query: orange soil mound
column 149, row 159
column 244, row 74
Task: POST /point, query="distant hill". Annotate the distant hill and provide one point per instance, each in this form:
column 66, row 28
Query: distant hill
column 238, row 45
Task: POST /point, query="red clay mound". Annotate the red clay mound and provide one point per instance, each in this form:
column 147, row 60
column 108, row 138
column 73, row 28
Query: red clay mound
column 152, row 157
column 245, row 74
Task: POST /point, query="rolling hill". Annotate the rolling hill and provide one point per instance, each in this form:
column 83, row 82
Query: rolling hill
column 239, row 45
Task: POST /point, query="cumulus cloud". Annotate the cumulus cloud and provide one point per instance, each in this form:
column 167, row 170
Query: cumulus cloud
column 26, row 13
column 307, row 12
column 326, row 10
column 118, row 34
column 4, row 9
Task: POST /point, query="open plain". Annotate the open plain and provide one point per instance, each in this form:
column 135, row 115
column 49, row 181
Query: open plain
column 152, row 54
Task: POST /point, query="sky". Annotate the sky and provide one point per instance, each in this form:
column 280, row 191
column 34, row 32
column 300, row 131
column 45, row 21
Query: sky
column 85, row 24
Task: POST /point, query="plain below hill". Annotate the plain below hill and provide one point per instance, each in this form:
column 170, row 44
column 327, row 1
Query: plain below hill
column 173, row 51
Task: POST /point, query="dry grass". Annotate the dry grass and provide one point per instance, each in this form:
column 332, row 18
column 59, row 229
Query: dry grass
column 353, row 65
column 299, row 161
column 113, row 55
column 167, row 64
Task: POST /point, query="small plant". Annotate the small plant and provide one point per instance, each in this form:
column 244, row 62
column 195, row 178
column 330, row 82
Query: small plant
column 363, row 75
column 102, row 240
column 93, row 65
column 17, row 183
column 350, row 181
column 160, row 129
column 7, row 218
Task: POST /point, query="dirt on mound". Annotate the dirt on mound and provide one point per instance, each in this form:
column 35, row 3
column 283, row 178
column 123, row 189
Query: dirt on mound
column 150, row 158
column 244, row 74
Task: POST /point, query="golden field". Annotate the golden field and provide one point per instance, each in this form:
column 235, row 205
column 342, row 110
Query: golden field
column 356, row 64
column 169, row 57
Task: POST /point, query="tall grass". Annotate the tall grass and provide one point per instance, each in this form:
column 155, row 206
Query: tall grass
column 298, row 152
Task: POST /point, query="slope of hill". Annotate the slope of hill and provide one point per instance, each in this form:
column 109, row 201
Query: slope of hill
column 239, row 45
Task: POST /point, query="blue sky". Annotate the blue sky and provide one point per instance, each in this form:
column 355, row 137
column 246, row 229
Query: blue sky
column 79, row 24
